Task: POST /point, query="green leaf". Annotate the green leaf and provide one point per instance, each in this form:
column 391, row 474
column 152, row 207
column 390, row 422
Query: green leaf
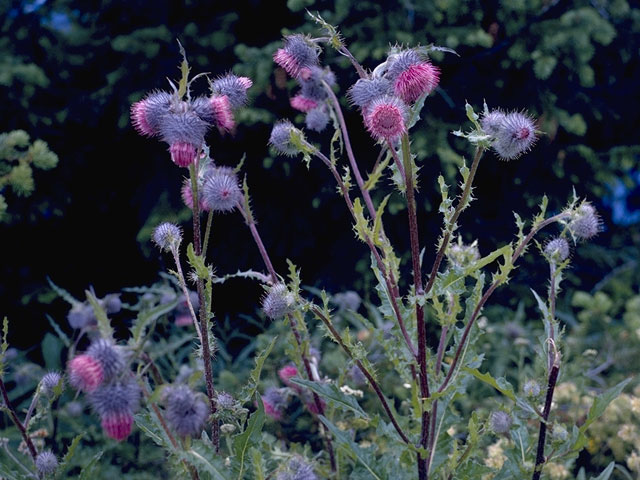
column 51, row 350
column 184, row 71
column 88, row 470
column 332, row 393
column 377, row 224
column 254, row 378
column 66, row 460
column 147, row 317
column 5, row 343
column 375, row 176
column 197, row 263
column 600, row 404
column 352, row 449
column 541, row 305
column 499, row 384
column 148, row 422
column 202, row 456
column 606, row 473
column 243, row 441
column 104, row 326
column 56, row 328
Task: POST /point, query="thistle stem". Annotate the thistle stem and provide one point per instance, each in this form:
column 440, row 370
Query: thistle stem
column 551, row 385
column 14, row 417
column 207, row 232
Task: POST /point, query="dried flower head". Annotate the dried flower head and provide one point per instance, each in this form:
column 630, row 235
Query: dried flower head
column 85, row 373
column 365, row 90
column 278, row 302
column 385, row 118
column 412, row 76
column 109, row 355
column 557, row 250
column 186, row 411
column 50, row 381
column 515, row 135
column 233, row 87
column 585, row 222
column 297, row 56
column 167, row 236
column 146, row 115
column 46, row 463
column 500, row 422
column 317, row 119
column 280, row 138
column 220, row 190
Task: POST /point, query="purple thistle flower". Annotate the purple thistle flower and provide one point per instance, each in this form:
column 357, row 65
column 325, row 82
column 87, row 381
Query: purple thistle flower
column 112, row 303
column 500, row 422
column 167, row 236
column 121, row 396
column 385, row 118
column 365, row 91
column 224, row 400
column 585, row 222
column 186, row 413
column 297, row 56
column 412, row 76
column 50, row 381
column 280, row 138
column 146, row 115
column 220, row 191
column 278, row 302
column 317, row 119
column 302, row 103
column 183, row 127
column 275, row 402
column 311, row 83
column 492, row 121
column 81, row 315
column 531, row 388
column 515, row 135
column 233, row 87
column 297, row 469
column 109, row 356
column 46, row 463
column 557, row 249
column 182, row 154
column 222, row 113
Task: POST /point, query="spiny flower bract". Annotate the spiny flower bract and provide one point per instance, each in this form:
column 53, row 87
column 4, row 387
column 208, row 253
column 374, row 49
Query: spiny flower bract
column 298, row 54
column 220, row 191
column 146, row 115
column 366, row 90
column 117, row 425
column 585, row 222
column 85, row 373
column 557, row 249
column 233, row 87
column 317, row 119
column 302, row 103
column 109, row 355
column 46, row 463
column 50, row 381
column 280, row 138
column 278, row 302
column 500, row 422
column 412, row 76
column 515, row 135
column 492, row 121
column 385, row 118
column 167, row 236
column 186, row 412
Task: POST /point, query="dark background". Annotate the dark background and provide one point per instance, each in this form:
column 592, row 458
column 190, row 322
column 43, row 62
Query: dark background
column 72, row 70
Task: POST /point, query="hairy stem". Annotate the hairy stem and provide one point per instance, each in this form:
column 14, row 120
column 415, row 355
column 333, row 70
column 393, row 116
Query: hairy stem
column 552, row 311
column 207, row 232
column 345, row 51
column 551, row 385
column 14, row 417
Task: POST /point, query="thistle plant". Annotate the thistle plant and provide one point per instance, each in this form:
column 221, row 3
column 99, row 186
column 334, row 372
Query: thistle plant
column 417, row 353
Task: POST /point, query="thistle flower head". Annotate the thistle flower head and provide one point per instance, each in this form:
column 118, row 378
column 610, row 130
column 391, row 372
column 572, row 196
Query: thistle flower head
column 85, row 373
column 222, row 113
column 109, row 355
column 278, row 302
column 186, row 412
column 81, row 315
column 585, row 222
column 557, row 250
column 349, row 300
column 146, row 115
column 112, row 303
column 317, row 119
column 280, row 138
column 275, row 402
column 286, row 373
column 412, row 76
column 531, row 388
column 224, row 400
column 491, row 122
column 365, row 90
column 515, row 135
column 120, row 396
column 46, row 463
column 462, row 255
column 220, row 191
column 50, row 381
column 187, row 195
column 500, row 422
column 182, row 154
column 184, row 126
column 311, row 83
column 297, row 56
column 302, row 103
column 117, row 425
column 167, row 236
column 233, row 87
column 297, row 469
column 385, row 118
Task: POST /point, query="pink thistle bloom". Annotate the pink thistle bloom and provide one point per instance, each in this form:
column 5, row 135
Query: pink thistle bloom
column 271, row 410
column 222, row 113
column 139, row 119
column 385, row 118
column 303, row 104
column 287, row 372
column 187, row 195
column 297, row 56
column 183, row 320
column 183, row 154
column 246, row 82
column 146, row 114
column 416, row 80
column 313, row 408
column 117, row 425
column 85, row 373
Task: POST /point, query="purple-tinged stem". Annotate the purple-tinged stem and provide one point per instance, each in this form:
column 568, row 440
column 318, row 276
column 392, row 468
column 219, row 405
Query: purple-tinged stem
column 551, row 385
column 552, row 311
column 345, row 51
column 17, row 422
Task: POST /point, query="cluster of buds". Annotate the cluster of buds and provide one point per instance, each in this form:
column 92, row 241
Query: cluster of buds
column 512, row 134
column 99, row 372
column 183, row 124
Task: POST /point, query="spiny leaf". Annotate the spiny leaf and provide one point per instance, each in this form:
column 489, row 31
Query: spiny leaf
column 204, row 458
column 197, row 263
column 499, row 384
column 104, row 325
column 375, row 176
column 184, row 71
column 377, row 224
column 61, row 335
column 88, row 470
column 66, row 460
column 246, row 439
column 254, row 378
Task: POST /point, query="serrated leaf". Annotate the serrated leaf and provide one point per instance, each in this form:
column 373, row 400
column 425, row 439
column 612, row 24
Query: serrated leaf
column 104, row 325
column 147, row 317
column 499, row 384
column 66, row 460
column 197, row 263
column 254, row 378
column 202, row 456
column 377, row 224
column 88, row 470
column 246, row 439
column 601, row 402
column 148, row 422
column 62, row 293
column 375, row 176
column 332, row 393
column 184, row 71
column 472, row 115
column 541, row 305
column 56, row 328
column 5, row 344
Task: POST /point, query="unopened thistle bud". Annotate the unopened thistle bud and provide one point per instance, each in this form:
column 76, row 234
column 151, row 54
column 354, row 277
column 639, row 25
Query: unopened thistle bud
column 365, row 90
column 81, row 315
column 167, row 236
column 302, row 103
column 492, row 121
column 585, row 222
column 233, row 87
column 146, row 115
column 187, row 195
column 116, row 403
column 220, row 191
column 186, row 412
column 385, row 118
column 297, row 56
column 278, row 302
column 112, row 303
column 275, row 402
column 515, row 135
column 46, row 463
column 224, row 400
column 85, row 373
column 297, row 469
column 531, row 388
column 462, row 255
column 412, row 76
column 317, row 119
column 109, row 355
column 280, row 138
column 557, row 250
column 182, row 154
column 49, row 382
column 312, row 85
column 500, row 422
